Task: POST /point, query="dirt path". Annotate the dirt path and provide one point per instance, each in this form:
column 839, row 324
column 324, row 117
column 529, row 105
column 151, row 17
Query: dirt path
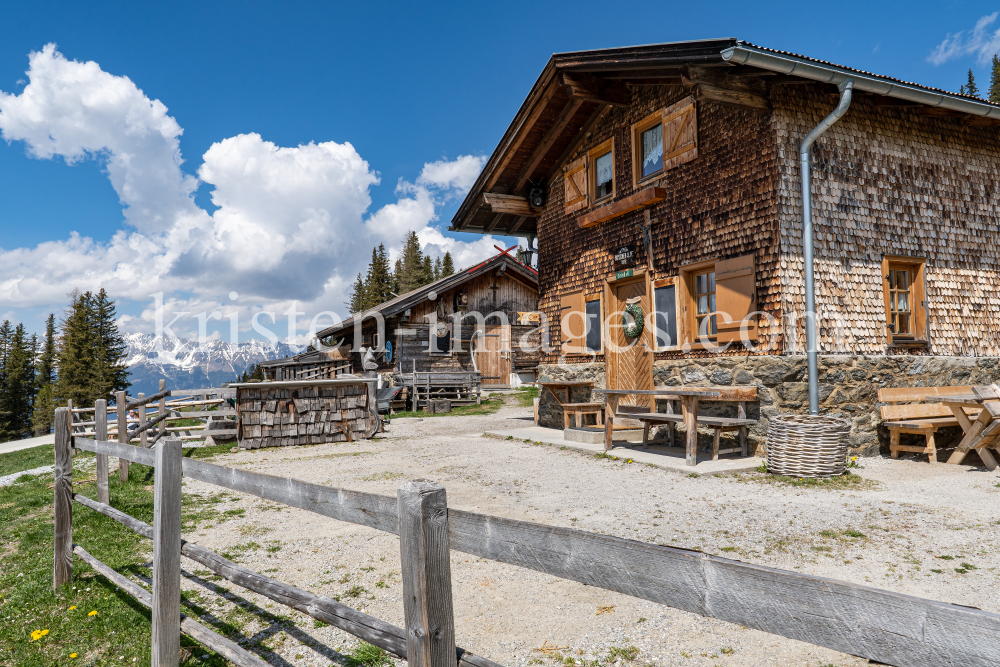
column 910, row 527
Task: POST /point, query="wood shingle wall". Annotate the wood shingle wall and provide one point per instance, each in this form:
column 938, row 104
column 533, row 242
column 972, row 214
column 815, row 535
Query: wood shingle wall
column 723, row 204
column 281, row 417
column 890, row 181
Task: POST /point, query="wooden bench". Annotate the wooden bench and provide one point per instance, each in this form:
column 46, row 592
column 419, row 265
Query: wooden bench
column 560, row 390
column 720, row 425
column 917, row 417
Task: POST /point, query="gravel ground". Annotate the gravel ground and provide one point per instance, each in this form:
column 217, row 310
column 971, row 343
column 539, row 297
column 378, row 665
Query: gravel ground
column 908, row 527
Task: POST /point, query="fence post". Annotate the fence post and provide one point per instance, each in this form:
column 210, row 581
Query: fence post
column 122, row 414
column 426, row 570
column 162, row 409
column 62, row 542
column 167, row 554
column 101, row 433
column 142, row 420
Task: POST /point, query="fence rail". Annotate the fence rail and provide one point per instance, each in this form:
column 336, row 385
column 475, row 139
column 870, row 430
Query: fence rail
column 880, row 625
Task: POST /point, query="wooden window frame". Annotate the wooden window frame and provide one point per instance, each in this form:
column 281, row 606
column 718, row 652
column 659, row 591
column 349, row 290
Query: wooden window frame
column 918, row 300
column 589, row 298
column 655, row 118
column 592, row 155
column 687, row 331
column 666, row 282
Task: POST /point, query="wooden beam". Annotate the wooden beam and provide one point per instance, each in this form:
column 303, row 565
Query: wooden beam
column 546, row 144
column 607, row 91
column 493, row 223
column 62, row 539
column 166, row 609
column 517, row 225
column 520, row 133
column 585, row 131
column 101, row 433
column 510, row 204
column 641, row 199
column 712, row 93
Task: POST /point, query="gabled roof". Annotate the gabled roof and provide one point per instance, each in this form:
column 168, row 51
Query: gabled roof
column 399, row 304
column 576, row 89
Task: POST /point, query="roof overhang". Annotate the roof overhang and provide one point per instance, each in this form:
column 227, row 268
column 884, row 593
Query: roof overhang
column 576, row 89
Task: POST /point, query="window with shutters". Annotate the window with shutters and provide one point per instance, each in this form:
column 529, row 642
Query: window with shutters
column 680, row 133
column 665, row 307
column 602, row 176
column 594, row 318
column 905, row 309
column 575, row 185
column 647, row 148
column 573, row 323
column 717, row 299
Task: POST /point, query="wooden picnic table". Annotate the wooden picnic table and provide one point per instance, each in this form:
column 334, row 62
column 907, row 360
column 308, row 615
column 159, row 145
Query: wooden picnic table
column 689, row 412
column 570, row 408
column 981, row 434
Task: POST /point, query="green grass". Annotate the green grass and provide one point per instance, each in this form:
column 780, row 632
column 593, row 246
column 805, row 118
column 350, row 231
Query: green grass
column 846, row 481
column 368, row 655
column 120, row 626
column 26, row 459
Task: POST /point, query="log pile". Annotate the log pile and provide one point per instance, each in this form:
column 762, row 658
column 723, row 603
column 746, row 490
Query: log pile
column 287, row 416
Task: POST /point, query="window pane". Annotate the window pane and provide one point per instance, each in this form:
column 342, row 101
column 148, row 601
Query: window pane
column 652, row 150
column 666, row 316
column 604, row 172
column 700, row 284
column 711, row 302
column 594, row 325
column 702, row 304
column 892, row 280
column 903, row 301
column 711, row 281
column 903, row 280
column 715, row 329
column 904, row 324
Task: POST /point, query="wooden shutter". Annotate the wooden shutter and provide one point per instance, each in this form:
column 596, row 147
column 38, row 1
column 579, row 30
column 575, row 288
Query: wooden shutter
column 734, row 295
column 574, row 333
column 575, row 185
column 680, row 133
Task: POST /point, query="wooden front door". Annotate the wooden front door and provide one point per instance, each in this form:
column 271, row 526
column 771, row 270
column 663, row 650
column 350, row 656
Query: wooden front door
column 493, row 355
column 630, row 360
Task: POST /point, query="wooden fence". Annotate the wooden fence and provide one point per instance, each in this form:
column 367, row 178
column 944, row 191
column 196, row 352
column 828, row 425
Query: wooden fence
column 883, row 626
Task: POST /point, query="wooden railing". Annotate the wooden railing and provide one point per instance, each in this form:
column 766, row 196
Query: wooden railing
column 883, row 626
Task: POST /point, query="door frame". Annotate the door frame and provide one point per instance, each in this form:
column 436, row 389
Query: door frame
column 504, row 355
column 611, row 284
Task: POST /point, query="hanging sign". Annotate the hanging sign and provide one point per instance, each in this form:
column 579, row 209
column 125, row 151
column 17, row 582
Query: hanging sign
column 625, row 256
column 623, row 274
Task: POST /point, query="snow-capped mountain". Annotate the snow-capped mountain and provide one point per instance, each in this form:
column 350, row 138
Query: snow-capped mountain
column 187, row 365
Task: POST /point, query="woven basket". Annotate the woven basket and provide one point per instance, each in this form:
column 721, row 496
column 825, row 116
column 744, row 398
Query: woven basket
column 807, row 445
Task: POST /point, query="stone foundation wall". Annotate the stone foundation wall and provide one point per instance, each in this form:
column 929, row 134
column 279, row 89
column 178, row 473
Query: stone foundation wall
column 848, row 386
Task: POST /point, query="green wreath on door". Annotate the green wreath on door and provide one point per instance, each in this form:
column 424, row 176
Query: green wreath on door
column 634, row 328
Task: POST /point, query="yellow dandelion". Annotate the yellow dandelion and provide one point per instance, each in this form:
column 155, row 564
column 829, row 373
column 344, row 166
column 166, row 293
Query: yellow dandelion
column 38, row 634
column 92, row 613
column 72, row 608
column 72, row 655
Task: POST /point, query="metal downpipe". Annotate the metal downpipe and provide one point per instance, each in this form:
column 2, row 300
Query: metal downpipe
column 807, row 238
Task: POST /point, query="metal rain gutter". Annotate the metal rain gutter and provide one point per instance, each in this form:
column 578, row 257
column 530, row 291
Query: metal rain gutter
column 743, row 54
column 807, row 237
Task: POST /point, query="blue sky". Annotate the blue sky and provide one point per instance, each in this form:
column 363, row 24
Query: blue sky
column 406, row 85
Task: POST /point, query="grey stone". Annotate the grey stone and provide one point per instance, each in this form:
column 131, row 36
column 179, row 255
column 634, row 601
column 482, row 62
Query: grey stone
column 722, row 377
column 774, row 371
column 693, row 374
column 743, row 377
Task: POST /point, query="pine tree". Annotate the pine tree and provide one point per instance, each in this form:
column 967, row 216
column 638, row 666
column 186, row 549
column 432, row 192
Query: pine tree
column 413, row 265
column 17, row 382
column 6, row 340
column 994, row 93
column 397, row 274
column 111, row 350
column 437, row 269
column 379, row 282
column 252, row 373
column 77, row 351
column 447, row 266
column 357, row 300
column 427, row 270
column 970, row 87
column 45, row 370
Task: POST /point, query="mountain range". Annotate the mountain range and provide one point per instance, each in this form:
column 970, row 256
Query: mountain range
column 187, row 365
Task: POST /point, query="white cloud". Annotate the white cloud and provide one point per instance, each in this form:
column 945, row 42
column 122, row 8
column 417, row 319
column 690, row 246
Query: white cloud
column 980, row 42
column 290, row 224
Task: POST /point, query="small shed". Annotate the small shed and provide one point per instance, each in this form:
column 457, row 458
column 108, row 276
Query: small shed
column 283, row 414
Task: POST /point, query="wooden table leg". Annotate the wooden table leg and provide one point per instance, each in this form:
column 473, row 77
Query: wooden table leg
column 984, row 420
column 609, row 421
column 689, row 410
